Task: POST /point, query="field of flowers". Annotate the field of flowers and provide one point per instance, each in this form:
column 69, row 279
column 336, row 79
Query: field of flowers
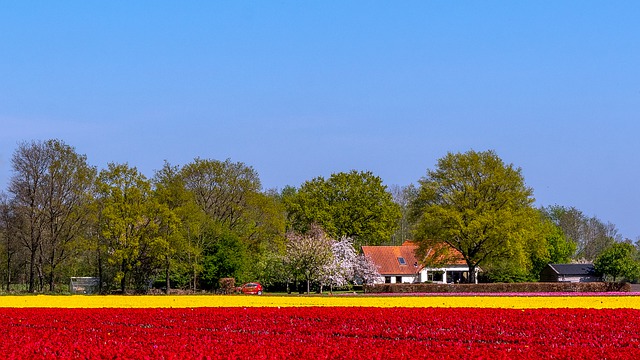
column 356, row 327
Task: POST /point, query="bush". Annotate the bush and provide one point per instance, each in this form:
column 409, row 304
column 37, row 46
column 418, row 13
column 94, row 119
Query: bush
column 227, row 285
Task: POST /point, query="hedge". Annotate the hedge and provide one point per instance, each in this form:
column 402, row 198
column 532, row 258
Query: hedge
column 500, row 287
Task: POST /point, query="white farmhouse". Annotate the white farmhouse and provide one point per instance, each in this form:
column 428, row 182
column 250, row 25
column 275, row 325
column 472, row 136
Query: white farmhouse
column 399, row 264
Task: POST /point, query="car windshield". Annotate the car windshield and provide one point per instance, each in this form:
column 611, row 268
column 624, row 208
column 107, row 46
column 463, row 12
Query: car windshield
column 251, row 285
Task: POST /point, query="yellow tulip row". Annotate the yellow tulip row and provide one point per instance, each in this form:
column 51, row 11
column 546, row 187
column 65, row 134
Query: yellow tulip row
column 195, row 301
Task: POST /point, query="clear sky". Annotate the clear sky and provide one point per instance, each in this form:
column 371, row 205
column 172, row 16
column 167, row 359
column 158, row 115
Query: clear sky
column 299, row 89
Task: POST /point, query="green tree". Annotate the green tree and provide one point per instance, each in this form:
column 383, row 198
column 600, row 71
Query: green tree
column 68, row 190
column 354, row 204
column 476, row 204
column 590, row 235
column 221, row 189
column 129, row 224
column 264, row 229
column 225, row 257
column 618, row 261
column 175, row 214
column 230, row 195
column 545, row 244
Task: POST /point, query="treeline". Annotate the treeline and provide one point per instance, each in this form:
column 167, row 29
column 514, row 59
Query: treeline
column 189, row 226
column 186, row 227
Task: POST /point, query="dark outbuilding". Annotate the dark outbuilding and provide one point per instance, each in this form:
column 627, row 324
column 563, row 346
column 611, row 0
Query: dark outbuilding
column 569, row 273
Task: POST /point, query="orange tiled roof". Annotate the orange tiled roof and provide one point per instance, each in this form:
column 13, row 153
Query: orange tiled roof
column 386, row 257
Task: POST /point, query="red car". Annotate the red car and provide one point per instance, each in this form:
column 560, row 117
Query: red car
column 251, row 288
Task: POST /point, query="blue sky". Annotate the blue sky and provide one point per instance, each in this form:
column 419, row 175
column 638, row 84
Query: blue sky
column 304, row 89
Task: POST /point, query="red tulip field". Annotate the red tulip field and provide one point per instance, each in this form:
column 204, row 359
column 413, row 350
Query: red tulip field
column 319, row 333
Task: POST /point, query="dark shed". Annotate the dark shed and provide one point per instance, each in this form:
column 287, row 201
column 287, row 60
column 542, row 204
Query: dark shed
column 569, row 273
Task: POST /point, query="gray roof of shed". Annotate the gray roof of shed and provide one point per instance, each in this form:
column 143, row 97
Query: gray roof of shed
column 573, row 269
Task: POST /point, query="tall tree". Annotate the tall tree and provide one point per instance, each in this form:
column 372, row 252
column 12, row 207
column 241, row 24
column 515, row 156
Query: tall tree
column 8, row 230
column 403, row 196
column 545, row 244
column 221, row 188
column 229, row 193
column 354, row 204
column 68, row 192
column 476, row 204
column 129, row 223
column 30, row 164
column 175, row 209
column 590, row 234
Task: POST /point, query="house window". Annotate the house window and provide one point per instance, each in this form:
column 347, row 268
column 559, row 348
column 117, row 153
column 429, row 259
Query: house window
column 387, row 279
column 398, row 279
column 402, row 261
column 435, row 276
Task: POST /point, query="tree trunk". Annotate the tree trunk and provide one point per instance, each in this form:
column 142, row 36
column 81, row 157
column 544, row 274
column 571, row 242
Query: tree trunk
column 166, row 274
column 52, row 270
column 40, row 276
column 472, row 274
column 100, row 270
column 123, row 282
column 32, row 271
column 195, row 274
column 51, row 282
column 8, row 269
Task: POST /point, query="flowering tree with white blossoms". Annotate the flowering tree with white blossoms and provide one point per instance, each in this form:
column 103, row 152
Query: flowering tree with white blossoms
column 316, row 257
column 340, row 271
column 308, row 254
column 365, row 270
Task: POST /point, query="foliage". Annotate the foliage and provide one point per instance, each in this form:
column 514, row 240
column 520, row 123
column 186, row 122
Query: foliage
column 476, row 204
column 52, row 188
column 404, row 197
column 221, row 188
column 224, row 258
column 590, row 235
column 271, row 270
column 178, row 214
column 129, row 224
column 618, row 261
column 354, row 204
column 546, row 244
column 190, row 225
column 252, row 222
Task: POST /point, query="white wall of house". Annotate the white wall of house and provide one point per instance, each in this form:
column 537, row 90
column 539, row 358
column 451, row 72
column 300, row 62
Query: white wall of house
column 448, row 273
column 444, row 275
column 395, row 279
